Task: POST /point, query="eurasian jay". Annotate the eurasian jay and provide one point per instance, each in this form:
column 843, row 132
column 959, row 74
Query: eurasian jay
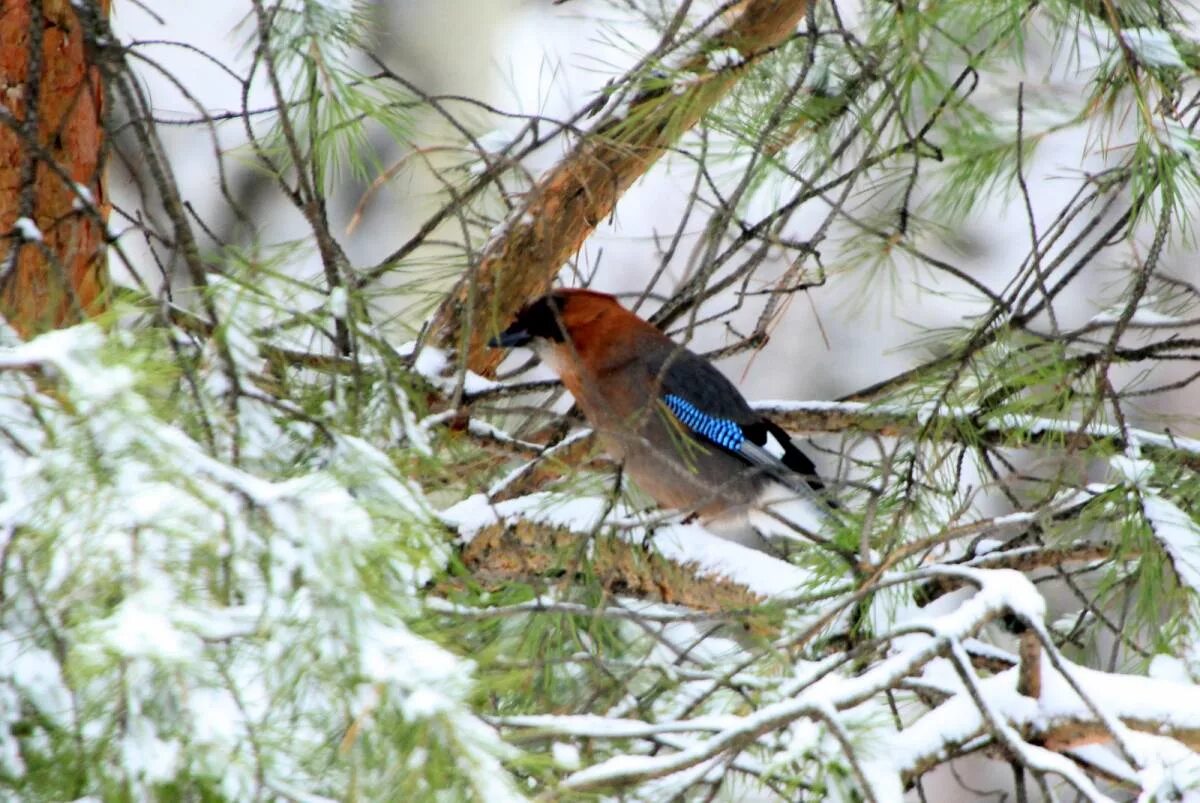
column 684, row 433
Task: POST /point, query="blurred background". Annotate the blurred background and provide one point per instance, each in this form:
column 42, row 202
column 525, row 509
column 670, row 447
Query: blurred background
column 866, row 321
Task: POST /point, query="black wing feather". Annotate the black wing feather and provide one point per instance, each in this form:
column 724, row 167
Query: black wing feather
column 691, row 377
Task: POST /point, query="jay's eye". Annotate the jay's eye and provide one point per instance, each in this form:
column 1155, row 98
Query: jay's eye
column 542, row 318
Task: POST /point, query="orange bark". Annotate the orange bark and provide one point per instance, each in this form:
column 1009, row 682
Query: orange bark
column 61, row 279
column 583, row 188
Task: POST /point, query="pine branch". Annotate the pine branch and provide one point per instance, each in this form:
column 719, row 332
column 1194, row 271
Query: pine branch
column 560, row 212
column 895, row 421
column 530, row 552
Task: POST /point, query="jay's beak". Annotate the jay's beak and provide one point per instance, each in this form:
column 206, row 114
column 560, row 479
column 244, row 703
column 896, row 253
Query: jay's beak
column 510, row 338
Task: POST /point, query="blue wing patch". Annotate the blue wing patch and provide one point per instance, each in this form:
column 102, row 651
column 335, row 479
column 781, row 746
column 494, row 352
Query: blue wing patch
column 721, row 431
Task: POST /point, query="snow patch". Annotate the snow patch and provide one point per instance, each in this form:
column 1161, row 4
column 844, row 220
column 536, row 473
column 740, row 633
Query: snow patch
column 683, row 543
column 28, row 230
column 1153, row 47
column 1135, row 472
column 433, row 363
column 339, row 303
column 723, row 59
column 566, row 755
column 1179, row 535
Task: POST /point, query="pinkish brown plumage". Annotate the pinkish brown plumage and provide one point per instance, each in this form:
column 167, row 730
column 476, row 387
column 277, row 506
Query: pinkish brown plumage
column 682, row 430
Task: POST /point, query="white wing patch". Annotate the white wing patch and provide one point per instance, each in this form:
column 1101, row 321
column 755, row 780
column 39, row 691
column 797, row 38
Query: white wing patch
column 774, row 448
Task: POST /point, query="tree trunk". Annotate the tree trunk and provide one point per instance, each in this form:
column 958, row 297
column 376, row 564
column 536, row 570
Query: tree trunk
column 52, row 202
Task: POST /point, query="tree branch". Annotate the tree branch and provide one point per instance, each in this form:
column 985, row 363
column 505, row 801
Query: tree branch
column 560, row 212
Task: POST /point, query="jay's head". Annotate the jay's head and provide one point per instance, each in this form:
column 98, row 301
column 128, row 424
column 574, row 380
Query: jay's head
column 560, row 316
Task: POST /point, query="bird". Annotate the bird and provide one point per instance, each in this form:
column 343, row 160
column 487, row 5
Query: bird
column 681, row 429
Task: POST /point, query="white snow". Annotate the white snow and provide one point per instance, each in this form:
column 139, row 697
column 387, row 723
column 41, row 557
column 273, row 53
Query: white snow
column 206, row 599
column 761, row 573
column 1170, row 769
column 1177, row 137
column 1153, row 47
column 433, row 364
column 959, row 718
column 28, row 230
column 430, row 362
column 599, row 727
column 83, row 197
column 1168, row 667
column 36, row 675
column 566, row 755
column 684, row 543
column 1143, row 316
column 216, row 716
column 141, row 628
column 146, row 756
column 1134, row 472
column 339, row 303
column 1123, row 696
column 485, row 430
column 1179, row 535
column 1032, row 424
column 498, row 139
column 724, row 58
column 1102, row 756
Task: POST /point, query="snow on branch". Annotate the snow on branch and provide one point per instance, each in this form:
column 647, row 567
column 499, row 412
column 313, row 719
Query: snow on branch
column 522, row 259
column 978, row 710
column 220, row 604
column 525, row 536
column 893, row 419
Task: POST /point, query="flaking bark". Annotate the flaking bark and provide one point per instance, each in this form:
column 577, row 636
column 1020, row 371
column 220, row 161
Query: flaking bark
column 51, row 171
